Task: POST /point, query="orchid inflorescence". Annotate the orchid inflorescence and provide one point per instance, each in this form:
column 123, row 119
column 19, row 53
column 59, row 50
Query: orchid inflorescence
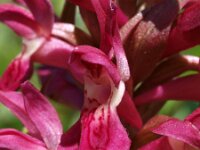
column 119, row 73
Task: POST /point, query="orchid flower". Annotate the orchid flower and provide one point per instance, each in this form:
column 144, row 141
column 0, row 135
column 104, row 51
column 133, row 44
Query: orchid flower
column 38, row 116
column 119, row 75
column 36, row 31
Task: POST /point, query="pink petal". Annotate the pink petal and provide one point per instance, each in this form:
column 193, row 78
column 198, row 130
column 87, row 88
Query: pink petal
column 185, row 34
column 93, row 59
column 43, row 115
column 185, row 88
column 183, row 131
column 43, row 12
column 19, row 70
column 19, row 20
column 86, row 4
column 70, row 139
column 14, row 101
column 54, row 53
column 71, row 34
column 194, row 118
column 145, row 135
column 101, row 129
column 128, row 111
column 14, row 140
column 161, row 143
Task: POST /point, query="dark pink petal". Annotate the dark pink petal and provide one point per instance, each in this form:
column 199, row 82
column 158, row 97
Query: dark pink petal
column 185, row 88
column 169, row 69
column 71, row 138
column 194, row 118
column 128, row 112
column 94, row 59
column 43, row 115
column 69, row 12
column 86, row 4
column 148, row 41
column 14, row 101
column 18, row 19
column 121, row 17
column 101, row 129
column 92, row 24
column 54, row 53
column 145, row 135
column 161, row 143
column 71, row 34
column 19, row 70
column 131, row 24
column 180, row 145
column 128, row 6
column 43, row 12
column 14, row 140
column 181, row 130
column 185, row 33
column 59, row 85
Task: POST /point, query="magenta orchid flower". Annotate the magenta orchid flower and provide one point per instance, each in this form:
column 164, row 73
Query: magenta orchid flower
column 118, row 76
column 34, row 28
column 36, row 31
column 38, row 116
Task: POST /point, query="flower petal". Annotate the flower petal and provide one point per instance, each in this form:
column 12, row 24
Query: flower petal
column 101, row 127
column 180, row 130
column 43, row 115
column 18, row 19
column 128, row 112
column 93, row 58
column 86, row 4
column 148, row 41
column 71, row 34
column 54, row 53
column 161, row 143
column 43, row 12
column 92, row 24
column 69, row 12
column 70, row 139
column 14, row 140
column 185, row 33
column 128, row 6
column 145, row 135
column 102, row 130
column 14, row 101
column 168, row 69
column 185, row 88
column 19, row 70
column 194, row 118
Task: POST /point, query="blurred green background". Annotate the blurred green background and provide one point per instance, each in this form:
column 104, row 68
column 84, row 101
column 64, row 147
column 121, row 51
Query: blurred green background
column 10, row 45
